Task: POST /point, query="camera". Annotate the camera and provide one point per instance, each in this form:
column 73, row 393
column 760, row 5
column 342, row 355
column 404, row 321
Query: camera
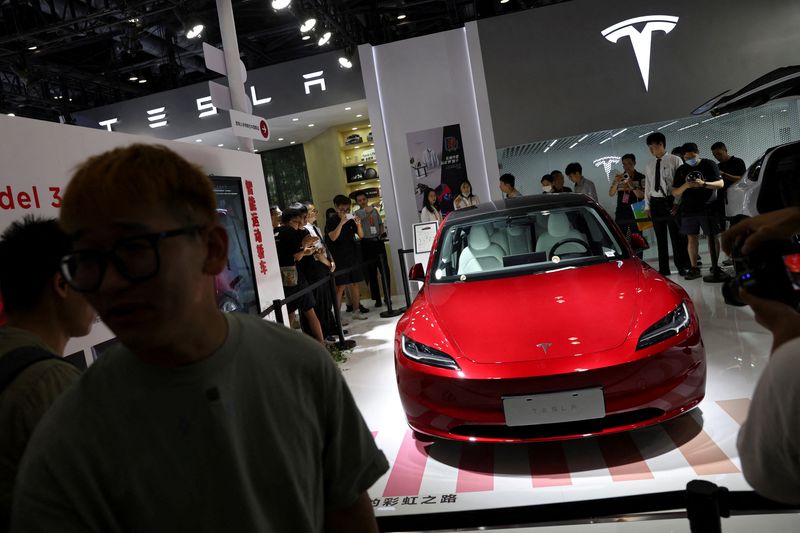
column 772, row 272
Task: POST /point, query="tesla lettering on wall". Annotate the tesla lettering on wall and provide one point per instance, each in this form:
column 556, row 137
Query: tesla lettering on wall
column 641, row 40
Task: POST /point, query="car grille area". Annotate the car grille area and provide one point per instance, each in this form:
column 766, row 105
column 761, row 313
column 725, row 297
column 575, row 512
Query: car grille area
column 564, row 429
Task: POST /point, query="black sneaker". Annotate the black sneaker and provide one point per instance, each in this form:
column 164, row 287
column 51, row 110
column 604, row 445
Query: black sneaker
column 727, row 263
column 349, row 308
column 692, row 273
column 683, row 271
column 378, row 304
column 363, row 309
column 699, row 263
column 664, row 272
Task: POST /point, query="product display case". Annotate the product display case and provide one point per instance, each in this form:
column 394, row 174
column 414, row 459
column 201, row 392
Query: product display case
column 360, row 164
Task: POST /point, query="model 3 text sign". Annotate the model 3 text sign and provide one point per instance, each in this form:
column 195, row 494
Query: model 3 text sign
column 34, row 198
column 250, row 126
column 641, row 39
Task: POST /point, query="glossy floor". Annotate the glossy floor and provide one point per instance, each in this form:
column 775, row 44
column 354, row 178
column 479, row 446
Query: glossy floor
column 448, row 476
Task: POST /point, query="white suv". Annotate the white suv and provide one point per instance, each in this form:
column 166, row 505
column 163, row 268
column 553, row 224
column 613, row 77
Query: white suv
column 772, row 182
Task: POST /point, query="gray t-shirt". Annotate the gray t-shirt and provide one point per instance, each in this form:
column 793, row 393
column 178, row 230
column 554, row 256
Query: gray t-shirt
column 586, row 186
column 370, row 222
column 262, row 436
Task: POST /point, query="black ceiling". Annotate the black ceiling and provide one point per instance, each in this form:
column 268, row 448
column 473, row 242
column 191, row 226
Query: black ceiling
column 87, row 51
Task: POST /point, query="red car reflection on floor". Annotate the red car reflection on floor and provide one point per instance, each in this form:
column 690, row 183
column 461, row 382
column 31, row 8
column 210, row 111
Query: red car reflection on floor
column 536, row 321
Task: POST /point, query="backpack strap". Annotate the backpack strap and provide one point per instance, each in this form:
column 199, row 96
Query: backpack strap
column 14, row 362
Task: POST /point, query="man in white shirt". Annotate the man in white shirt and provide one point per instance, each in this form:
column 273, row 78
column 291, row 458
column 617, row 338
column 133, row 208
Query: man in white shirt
column 660, row 204
column 769, row 440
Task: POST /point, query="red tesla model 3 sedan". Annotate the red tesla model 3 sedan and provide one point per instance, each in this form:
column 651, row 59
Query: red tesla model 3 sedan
column 536, row 321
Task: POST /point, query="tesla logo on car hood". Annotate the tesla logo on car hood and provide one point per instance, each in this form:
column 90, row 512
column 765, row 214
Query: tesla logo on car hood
column 544, row 346
column 641, row 40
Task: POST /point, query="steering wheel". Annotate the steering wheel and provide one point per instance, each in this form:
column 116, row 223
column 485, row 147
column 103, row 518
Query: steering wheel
column 555, row 247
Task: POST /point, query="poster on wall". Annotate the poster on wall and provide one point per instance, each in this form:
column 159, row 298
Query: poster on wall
column 436, row 157
column 235, row 286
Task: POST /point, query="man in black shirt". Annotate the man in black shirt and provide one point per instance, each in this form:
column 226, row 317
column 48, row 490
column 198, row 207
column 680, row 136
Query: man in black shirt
column 293, row 244
column 695, row 183
column 558, row 182
column 732, row 170
column 341, row 230
column 629, row 189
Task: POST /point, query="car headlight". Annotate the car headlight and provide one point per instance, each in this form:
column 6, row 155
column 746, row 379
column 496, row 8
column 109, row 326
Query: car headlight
column 416, row 351
column 667, row 327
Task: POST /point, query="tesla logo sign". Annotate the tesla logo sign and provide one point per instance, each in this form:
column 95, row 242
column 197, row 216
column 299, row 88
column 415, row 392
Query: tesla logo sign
column 545, row 346
column 264, row 129
column 607, row 163
column 641, row 39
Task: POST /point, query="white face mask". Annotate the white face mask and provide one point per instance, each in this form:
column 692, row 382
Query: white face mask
column 547, row 188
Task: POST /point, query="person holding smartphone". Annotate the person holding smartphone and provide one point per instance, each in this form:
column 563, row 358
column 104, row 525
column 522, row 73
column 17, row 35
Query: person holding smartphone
column 628, row 187
column 341, row 230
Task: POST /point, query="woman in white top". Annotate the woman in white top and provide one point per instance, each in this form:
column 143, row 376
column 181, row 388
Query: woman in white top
column 466, row 198
column 430, row 208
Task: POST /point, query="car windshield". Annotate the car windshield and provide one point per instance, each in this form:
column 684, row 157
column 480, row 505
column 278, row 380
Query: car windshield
column 538, row 240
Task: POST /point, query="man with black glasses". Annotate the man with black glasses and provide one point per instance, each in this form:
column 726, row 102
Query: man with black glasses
column 199, row 421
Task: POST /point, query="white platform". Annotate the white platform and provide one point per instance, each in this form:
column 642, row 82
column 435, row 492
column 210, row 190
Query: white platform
column 449, row 476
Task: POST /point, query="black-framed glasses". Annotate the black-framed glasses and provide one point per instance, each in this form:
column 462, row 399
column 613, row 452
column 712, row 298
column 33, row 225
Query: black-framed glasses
column 136, row 258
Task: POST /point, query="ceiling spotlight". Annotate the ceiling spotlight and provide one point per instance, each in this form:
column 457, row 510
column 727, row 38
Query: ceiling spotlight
column 305, row 37
column 354, row 129
column 348, row 108
column 195, row 31
column 143, row 81
column 198, row 140
column 359, row 116
column 308, row 25
column 295, row 119
column 291, row 142
column 325, row 39
column 133, row 78
column 310, row 125
column 280, row 4
column 34, row 47
column 220, row 145
column 345, row 63
column 255, row 149
column 504, row 1
column 401, row 17
column 12, row 115
column 280, row 138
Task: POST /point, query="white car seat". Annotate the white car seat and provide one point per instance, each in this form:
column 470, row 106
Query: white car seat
column 519, row 239
column 558, row 229
column 499, row 236
column 481, row 253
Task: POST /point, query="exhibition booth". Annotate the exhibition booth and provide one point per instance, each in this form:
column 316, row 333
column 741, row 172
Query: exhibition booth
column 525, row 93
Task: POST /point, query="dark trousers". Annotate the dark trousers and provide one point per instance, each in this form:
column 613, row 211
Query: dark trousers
column 372, row 249
column 664, row 222
column 323, row 306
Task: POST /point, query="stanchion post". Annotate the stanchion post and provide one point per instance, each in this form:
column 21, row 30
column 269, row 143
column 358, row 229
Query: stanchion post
column 276, row 304
column 383, row 267
column 343, row 343
column 705, row 504
column 404, row 275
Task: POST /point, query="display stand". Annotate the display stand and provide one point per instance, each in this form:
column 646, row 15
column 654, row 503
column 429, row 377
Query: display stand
column 387, row 290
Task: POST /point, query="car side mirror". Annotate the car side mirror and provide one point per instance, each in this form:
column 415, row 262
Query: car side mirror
column 638, row 243
column 417, row 273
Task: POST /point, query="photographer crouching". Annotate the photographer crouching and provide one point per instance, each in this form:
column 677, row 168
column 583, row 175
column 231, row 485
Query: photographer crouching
column 767, row 262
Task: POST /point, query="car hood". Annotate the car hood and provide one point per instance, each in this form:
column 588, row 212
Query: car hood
column 540, row 316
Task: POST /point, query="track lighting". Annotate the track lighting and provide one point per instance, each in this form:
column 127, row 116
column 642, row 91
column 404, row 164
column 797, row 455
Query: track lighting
column 195, row 31
column 325, row 39
column 345, row 62
column 280, row 4
column 308, row 25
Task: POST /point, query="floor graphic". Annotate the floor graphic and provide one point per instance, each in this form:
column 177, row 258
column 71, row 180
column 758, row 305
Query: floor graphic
column 439, row 473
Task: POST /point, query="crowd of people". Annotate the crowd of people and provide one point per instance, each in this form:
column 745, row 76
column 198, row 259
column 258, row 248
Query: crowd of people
column 683, row 193
column 350, row 242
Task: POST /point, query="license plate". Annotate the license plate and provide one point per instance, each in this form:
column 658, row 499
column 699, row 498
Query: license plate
column 552, row 408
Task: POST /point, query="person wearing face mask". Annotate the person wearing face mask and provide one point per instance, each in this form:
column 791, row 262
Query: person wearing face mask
column 547, row 184
column 465, row 197
column 696, row 183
